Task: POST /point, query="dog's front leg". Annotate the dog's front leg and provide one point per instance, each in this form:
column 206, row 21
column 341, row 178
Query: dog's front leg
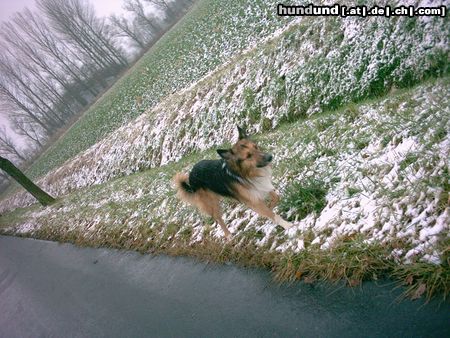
column 274, row 199
column 262, row 209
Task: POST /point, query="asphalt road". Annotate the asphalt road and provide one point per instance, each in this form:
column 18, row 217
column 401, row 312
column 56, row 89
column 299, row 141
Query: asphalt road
column 53, row 290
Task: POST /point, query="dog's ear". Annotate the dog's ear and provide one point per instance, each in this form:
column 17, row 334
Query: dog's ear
column 242, row 133
column 225, row 153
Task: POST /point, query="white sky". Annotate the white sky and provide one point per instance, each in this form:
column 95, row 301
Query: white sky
column 103, row 7
column 9, row 7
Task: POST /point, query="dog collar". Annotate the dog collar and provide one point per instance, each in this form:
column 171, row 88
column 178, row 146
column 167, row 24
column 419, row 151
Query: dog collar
column 229, row 173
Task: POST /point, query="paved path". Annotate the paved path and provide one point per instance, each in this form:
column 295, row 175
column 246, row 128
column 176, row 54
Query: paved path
column 52, row 290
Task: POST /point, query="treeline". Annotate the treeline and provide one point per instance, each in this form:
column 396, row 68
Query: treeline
column 55, row 60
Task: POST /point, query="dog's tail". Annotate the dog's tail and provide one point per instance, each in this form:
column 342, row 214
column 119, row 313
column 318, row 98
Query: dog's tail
column 184, row 191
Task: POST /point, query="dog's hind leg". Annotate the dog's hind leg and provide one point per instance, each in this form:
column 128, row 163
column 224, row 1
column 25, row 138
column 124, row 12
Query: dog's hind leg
column 209, row 203
column 218, row 218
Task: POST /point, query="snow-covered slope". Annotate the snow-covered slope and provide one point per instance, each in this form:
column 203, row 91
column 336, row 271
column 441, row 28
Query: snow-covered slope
column 310, row 65
column 384, row 167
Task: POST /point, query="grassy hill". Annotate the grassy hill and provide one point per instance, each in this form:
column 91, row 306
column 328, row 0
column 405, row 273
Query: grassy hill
column 366, row 186
column 355, row 111
column 206, row 37
column 309, row 66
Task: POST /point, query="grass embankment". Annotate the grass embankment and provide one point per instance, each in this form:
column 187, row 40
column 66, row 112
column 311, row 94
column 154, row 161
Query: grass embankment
column 321, row 63
column 314, row 65
column 207, row 36
column 366, row 185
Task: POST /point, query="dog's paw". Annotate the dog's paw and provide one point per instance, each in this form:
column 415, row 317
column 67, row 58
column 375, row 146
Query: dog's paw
column 285, row 224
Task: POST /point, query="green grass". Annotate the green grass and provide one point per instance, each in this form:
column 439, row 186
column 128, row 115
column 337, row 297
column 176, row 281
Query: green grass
column 350, row 259
column 410, row 159
column 353, row 191
column 251, row 108
column 304, row 198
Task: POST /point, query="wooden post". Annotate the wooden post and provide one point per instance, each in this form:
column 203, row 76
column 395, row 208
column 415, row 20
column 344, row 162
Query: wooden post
column 43, row 198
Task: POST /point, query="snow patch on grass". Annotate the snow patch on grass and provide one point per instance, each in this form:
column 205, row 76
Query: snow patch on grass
column 384, row 165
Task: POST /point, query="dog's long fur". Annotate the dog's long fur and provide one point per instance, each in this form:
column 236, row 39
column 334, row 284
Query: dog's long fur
column 243, row 173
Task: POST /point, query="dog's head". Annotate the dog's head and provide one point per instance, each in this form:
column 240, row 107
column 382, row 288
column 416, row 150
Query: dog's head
column 245, row 157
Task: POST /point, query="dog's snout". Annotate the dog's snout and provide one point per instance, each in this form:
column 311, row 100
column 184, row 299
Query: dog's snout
column 268, row 157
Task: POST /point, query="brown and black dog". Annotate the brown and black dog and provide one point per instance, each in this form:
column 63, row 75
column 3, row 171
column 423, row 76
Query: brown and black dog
column 243, row 173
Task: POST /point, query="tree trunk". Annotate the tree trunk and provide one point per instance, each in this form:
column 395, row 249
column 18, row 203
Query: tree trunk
column 43, row 198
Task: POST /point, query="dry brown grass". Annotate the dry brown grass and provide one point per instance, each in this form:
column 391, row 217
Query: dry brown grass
column 351, row 260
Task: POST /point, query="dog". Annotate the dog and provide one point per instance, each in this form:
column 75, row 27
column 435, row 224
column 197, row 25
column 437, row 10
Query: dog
column 243, row 173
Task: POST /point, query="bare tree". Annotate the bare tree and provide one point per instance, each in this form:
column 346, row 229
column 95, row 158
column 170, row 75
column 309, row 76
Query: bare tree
column 12, row 101
column 8, row 147
column 144, row 24
column 76, row 21
column 27, row 128
column 4, row 181
column 146, row 20
column 18, row 50
column 51, row 63
column 24, row 89
column 47, row 43
column 165, row 6
column 129, row 30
